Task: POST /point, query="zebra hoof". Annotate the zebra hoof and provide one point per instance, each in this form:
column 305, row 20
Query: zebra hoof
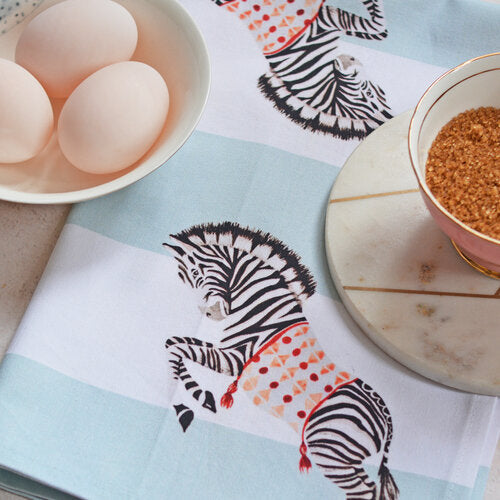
column 184, row 415
column 209, row 402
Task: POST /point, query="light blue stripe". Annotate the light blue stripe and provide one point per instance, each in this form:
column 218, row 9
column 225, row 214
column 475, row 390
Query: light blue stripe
column 213, row 179
column 443, row 32
column 99, row 445
column 480, row 484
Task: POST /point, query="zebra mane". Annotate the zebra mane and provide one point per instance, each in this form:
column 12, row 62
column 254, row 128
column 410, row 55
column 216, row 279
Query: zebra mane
column 339, row 123
column 259, row 244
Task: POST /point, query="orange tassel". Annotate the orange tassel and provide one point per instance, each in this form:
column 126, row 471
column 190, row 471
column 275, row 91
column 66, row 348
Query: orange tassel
column 305, row 463
column 227, row 399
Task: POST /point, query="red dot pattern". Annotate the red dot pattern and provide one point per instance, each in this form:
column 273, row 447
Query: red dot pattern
column 274, row 27
column 280, row 373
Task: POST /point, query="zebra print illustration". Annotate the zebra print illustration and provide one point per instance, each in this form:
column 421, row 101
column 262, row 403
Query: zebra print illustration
column 308, row 80
column 256, row 286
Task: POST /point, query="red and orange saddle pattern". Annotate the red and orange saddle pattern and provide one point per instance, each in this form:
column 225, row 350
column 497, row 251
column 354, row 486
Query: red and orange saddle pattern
column 275, row 23
column 290, row 377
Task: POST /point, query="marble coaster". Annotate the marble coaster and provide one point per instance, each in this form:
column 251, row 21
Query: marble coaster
column 399, row 275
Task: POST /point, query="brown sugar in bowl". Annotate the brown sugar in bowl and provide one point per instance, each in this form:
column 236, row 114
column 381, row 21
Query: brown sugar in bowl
column 471, row 85
column 463, row 169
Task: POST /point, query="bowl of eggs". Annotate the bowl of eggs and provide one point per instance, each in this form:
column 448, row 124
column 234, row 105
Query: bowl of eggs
column 94, row 94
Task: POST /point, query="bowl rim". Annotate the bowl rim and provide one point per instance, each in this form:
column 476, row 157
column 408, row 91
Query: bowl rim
column 421, row 182
column 129, row 178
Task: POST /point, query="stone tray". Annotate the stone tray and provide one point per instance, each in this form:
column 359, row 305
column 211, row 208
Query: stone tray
column 399, row 275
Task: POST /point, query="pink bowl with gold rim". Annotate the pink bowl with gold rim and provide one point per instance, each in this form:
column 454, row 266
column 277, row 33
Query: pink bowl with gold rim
column 473, row 84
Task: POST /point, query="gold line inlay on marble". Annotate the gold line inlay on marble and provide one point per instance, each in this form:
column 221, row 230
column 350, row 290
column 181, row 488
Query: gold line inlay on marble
column 375, row 195
column 496, row 295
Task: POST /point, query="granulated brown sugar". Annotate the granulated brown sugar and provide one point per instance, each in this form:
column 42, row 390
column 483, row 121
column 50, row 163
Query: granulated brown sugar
column 463, row 169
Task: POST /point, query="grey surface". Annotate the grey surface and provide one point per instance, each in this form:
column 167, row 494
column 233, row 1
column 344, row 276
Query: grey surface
column 28, row 234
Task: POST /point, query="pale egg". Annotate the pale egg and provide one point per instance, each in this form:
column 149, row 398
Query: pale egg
column 26, row 117
column 72, row 39
column 113, row 117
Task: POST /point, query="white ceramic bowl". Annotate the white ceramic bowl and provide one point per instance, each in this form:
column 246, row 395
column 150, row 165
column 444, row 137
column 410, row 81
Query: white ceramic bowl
column 473, row 84
column 170, row 41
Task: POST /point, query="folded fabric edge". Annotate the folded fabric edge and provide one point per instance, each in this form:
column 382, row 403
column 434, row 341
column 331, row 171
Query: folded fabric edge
column 29, row 488
column 32, row 489
column 490, row 444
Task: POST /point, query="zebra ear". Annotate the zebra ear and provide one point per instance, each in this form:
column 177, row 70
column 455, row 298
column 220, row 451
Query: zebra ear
column 176, row 249
column 186, row 245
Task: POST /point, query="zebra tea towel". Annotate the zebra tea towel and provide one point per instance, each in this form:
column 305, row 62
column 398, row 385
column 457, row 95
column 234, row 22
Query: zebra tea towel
column 186, row 340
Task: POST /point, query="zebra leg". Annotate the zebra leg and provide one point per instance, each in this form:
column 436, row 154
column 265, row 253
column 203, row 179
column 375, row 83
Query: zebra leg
column 353, row 25
column 205, row 354
column 184, row 415
column 350, row 426
column 181, row 373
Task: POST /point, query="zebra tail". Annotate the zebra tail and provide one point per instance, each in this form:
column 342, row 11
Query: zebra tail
column 388, row 489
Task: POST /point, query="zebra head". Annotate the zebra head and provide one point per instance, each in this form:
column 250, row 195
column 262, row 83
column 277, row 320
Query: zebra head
column 243, row 275
column 358, row 100
column 198, row 272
